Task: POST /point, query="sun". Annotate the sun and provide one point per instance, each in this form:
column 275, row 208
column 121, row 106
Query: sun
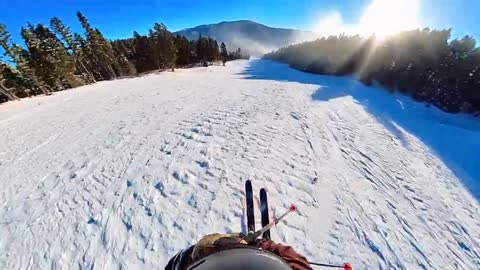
column 386, row 17
column 381, row 18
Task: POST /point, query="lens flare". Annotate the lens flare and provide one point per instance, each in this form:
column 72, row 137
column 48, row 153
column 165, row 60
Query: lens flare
column 380, row 18
column 387, row 17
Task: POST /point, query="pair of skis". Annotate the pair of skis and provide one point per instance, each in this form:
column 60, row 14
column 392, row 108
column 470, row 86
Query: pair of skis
column 266, row 223
column 250, row 210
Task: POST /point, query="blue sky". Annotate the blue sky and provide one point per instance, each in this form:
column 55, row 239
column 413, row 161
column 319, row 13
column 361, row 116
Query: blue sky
column 119, row 18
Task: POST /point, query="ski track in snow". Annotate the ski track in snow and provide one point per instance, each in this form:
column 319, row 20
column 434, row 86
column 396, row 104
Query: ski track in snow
column 124, row 174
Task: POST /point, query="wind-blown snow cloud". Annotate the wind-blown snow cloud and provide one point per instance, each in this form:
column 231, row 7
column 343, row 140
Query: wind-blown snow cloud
column 332, row 23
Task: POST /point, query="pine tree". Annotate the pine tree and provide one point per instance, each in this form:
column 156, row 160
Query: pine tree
column 85, row 54
column 106, row 52
column 101, row 56
column 7, row 92
column 21, row 58
column 49, row 58
column 163, row 46
column 185, row 51
column 211, row 53
column 238, row 54
column 125, row 67
column 215, row 50
column 16, row 82
column 72, row 46
column 143, row 53
column 201, row 50
column 223, row 53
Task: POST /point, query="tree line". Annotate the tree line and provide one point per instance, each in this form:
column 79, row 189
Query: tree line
column 54, row 58
column 423, row 63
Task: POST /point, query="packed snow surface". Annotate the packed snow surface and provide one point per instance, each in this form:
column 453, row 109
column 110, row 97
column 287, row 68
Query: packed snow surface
column 125, row 173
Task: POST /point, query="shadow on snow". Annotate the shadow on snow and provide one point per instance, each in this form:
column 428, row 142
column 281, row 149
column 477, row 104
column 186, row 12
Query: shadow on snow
column 455, row 138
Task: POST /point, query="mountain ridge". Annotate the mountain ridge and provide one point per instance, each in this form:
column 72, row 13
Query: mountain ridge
column 240, row 21
column 252, row 37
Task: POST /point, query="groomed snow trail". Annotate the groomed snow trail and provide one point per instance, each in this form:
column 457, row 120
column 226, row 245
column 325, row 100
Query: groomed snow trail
column 124, row 174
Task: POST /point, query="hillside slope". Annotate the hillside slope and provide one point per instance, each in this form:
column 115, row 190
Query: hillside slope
column 255, row 38
column 125, row 173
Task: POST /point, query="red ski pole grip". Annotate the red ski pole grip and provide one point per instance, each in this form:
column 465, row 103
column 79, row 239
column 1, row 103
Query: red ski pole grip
column 293, row 208
column 347, row 266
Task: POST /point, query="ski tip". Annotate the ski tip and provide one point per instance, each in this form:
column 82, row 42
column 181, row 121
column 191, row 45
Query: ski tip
column 293, row 208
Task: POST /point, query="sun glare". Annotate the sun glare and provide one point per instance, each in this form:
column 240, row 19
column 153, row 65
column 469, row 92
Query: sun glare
column 381, row 18
column 386, row 17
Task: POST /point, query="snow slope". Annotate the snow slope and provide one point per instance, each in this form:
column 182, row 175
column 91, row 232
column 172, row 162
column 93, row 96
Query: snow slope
column 124, row 174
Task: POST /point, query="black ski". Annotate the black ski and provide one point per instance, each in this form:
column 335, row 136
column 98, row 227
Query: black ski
column 249, row 199
column 264, row 211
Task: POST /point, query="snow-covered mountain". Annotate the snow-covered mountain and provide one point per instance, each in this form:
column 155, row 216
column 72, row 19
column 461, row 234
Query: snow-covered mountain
column 123, row 174
column 255, row 38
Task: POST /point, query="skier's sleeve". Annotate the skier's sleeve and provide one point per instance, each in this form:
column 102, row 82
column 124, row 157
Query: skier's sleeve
column 207, row 245
column 181, row 260
column 295, row 260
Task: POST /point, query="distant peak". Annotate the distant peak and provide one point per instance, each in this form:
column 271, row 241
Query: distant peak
column 240, row 21
column 222, row 23
column 252, row 37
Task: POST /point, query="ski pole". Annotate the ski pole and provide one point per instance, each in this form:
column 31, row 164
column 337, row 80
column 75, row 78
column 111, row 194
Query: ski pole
column 250, row 238
column 345, row 266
